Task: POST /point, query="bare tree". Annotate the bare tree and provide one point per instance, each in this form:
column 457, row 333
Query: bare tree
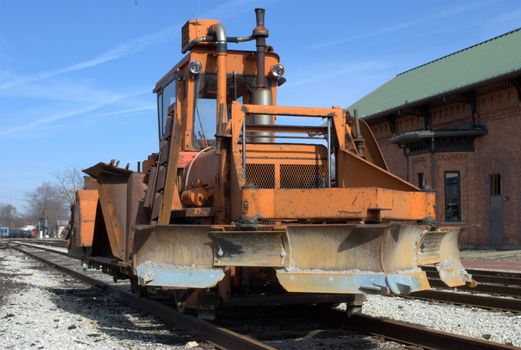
column 46, row 206
column 68, row 181
column 8, row 215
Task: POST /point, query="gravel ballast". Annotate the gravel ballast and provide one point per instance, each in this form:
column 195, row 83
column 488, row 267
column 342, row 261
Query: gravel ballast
column 501, row 327
column 41, row 309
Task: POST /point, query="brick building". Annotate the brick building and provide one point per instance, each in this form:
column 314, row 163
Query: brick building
column 453, row 125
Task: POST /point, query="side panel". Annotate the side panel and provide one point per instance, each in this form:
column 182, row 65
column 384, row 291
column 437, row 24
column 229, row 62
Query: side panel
column 86, row 201
column 335, row 203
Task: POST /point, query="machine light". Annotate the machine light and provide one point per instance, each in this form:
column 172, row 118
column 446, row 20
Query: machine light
column 277, row 70
column 195, row 67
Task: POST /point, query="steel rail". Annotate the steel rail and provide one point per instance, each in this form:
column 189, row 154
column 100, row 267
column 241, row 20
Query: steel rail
column 512, row 291
column 45, row 241
column 417, row 335
column 222, row 337
column 487, row 278
column 479, row 272
column 49, row 248
column 482, row 301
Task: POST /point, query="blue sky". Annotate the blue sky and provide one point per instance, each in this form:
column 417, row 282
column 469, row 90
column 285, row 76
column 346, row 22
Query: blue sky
column 76, row 77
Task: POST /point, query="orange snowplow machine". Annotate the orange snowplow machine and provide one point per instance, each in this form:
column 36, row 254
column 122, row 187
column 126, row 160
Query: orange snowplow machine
column 249, row 198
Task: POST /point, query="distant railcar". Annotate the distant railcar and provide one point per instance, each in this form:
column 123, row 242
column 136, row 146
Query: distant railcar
column 4, row 232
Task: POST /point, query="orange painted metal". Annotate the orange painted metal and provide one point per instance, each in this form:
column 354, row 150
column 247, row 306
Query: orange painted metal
column 86, row 204
column 335, row 203
column 193, row 29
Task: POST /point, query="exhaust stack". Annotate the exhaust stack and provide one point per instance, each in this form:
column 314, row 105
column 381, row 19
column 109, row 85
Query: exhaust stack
column 262, row 93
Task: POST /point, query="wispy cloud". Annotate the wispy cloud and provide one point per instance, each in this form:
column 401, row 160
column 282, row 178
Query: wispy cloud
column 132, row 46
column 420, row 21
column 52, row 118
column 509, row 17
column 344, row 68
column 127, row 111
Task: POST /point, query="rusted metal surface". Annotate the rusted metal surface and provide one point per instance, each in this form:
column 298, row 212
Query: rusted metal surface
column 175, row 256
column 451, row 271
column 255, row 248
column 85, row 213
column 120, row 195
column 308, row 258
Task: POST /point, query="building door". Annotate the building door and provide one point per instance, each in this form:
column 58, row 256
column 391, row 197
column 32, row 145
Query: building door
column 496, row 210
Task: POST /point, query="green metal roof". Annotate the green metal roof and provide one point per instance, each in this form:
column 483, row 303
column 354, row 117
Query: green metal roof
column 488, row 60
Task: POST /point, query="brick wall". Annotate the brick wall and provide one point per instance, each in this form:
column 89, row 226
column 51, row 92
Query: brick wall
column 499, row 109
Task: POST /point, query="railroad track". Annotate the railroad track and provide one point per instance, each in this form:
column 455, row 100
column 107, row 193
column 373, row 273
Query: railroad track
column 54, row 242
column 400, row 332
column 502, row 289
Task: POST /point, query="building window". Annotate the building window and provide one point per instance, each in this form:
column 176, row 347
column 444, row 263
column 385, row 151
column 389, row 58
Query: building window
column 421, row 181
column 495, row 184
column 452, row 196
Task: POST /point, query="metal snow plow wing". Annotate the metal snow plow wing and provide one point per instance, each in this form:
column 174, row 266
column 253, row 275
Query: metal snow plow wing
column 335, row 258
column 441, row 249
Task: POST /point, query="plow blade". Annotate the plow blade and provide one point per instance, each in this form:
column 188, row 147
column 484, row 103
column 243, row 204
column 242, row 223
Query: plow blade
column 175, row 256
column 379, row 258
column 440, row 248
column 332, row 259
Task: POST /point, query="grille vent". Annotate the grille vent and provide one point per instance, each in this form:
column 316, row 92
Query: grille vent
column 261, row 175
column 291, row 175
column 302, row 176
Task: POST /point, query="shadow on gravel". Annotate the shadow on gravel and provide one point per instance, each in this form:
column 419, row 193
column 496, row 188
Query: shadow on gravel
column 112, row 318
column 297, row 327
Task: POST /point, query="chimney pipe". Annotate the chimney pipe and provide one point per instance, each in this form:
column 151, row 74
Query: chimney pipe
column 262, row 92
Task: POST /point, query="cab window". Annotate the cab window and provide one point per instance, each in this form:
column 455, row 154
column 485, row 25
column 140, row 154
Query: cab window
column 204, row 112
column 166, row 98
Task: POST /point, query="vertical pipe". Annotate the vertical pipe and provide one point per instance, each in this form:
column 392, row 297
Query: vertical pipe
column 328, row 152
column 433, row 165
column 221, row 90
column 260, row 33
column 262, row 92
column 263, row 97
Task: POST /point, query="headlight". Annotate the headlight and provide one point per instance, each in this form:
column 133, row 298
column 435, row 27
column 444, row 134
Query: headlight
column 195, row 67
column 277, row 70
